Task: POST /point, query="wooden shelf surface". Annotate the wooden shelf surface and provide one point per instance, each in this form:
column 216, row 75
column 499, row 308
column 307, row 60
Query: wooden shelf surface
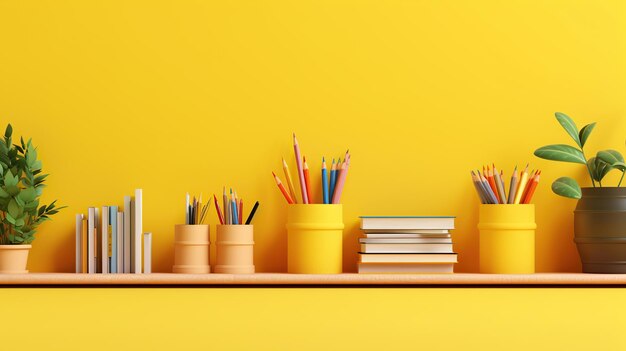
column 283, row 279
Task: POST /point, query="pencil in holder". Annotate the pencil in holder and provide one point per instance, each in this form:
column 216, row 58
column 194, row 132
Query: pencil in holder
column 234, row 249
column 507, row 238
column 191, row 248
column 314, row 238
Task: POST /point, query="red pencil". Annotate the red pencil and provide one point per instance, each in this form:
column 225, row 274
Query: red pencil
column 220, row 216
column 240, row 211
column 307, row 181
column 282, row 189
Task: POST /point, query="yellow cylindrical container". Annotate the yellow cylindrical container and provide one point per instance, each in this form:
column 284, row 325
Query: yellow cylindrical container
column 235, row 249
column 314, row 238
column 507, row 238
column 191, row 248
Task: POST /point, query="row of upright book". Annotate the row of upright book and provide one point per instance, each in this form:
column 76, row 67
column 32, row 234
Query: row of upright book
column 109, row 239
column 406, row 244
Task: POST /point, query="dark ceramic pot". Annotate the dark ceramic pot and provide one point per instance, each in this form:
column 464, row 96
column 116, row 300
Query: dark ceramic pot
column 600, row 230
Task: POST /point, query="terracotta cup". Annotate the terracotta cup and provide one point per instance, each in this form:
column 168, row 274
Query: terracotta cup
column 191, row 248
column 235, row 249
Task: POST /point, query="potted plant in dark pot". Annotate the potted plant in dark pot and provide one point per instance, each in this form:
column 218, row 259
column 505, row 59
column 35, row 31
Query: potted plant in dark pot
column 21, row 185
column 600, row 216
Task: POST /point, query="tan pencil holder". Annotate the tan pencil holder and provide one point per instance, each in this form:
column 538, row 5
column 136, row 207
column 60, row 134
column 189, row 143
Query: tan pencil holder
column 234, row 249
column 191, row 248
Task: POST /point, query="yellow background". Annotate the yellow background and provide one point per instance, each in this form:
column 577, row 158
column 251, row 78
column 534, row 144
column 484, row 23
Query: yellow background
column 188, row 96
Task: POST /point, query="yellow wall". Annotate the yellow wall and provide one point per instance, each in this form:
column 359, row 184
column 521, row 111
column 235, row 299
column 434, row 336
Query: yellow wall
column 177, row 96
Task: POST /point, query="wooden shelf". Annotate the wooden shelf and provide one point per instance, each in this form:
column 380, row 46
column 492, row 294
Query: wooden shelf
column 283, row 279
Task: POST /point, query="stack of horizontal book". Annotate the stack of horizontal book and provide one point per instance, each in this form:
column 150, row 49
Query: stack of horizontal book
column 406, row 244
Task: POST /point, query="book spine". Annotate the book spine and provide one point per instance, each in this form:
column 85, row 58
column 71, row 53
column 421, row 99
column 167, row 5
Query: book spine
column 132, row 235
column 83, row 246
column 147, row 252
column 127, row 209
column 113, row 243
column 91, row 252
column 120, row 242
column 104, row 253
column 138, row 229
column 79, row 244
column 97, row 241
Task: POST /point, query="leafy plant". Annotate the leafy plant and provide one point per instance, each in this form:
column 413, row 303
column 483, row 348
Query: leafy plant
column 21, row 185
column 597, row 167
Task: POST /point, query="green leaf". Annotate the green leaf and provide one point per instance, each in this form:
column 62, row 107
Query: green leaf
column 620, row 165
column 569, row 126
column 567, row 187
column 4, row 194
column 10, row 218
column 12, row 190
column 585, row 132
column 560, row 152
column 41, row 211
column 10, row 179
column 8, row 131
column 28, row 194
column 610, row 156
column 14, row 208
column 602, row 168
column 591, row 163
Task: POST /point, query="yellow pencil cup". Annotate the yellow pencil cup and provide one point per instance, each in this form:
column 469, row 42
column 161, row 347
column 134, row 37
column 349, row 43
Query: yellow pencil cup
column 235, row 249
column 507, row 238
column 191, row 248
column 314, row 238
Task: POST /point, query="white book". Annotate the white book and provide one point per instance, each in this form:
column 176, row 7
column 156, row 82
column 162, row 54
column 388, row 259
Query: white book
column 407, row 231
column 79, row 242
column 408, row 258
column 406, row 268
column 405, row 240
column 127, row 217
column 138, row 221
column 406, row 222
column 406, row 248
column 147, row 252
column 405, row 236
column 104, row 229
column 91, row 240
column 120, row 242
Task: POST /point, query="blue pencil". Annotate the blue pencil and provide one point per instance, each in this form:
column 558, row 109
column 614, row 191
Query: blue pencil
column 325, row 182
column 235, row 214
column 333, row 179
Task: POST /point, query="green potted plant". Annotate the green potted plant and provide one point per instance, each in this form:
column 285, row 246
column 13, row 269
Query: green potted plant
column 21, row 185
column 600, row 215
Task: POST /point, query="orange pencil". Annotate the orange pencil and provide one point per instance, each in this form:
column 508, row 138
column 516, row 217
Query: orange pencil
column 527, row 187
column 307, row 181
column 531, row 189
column 282, row 189
column 492, row 183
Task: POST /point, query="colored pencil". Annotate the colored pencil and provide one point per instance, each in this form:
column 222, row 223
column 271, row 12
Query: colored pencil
column 282, row 189
column 492, row 182
column 220, row 216
column 499, row 185
column 251, row 215
column 292, row 190
column 233, row 203
column 531, row 190
column 487, row 188
column 240, row 221
column 307, row 181
column 521, row 186
column 527, row 187
column 187, row 208
column 513, row 187
column 333, row 179
column 341, row 180
column 324, row 182
column 479, row 188
column 296, row 149
column 227, row 216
